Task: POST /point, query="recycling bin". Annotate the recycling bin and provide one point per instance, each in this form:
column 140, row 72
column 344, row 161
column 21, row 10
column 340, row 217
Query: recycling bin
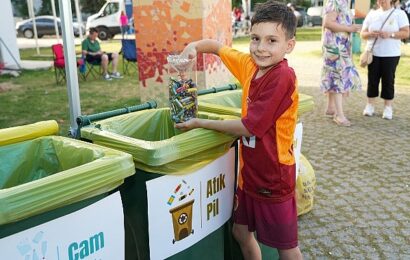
column 229, row 103
column 356, row 43
column 160, row 150
column 45, row 178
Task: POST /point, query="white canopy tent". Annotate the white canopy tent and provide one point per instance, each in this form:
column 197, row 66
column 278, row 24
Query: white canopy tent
column 9, row 53
column 70, row 63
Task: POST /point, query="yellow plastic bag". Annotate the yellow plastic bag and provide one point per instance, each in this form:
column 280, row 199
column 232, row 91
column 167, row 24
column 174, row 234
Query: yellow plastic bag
column 305, row 186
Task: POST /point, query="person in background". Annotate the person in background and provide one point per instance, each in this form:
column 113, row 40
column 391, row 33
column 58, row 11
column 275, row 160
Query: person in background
column 386, row 53
column 265, row 198
column 339, row 75
column 91, row 50
column 124, row 23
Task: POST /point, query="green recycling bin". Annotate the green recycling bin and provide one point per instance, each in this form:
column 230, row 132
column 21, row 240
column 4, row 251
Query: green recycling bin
column 160, row 150
column 229, row 103
column 43, row 178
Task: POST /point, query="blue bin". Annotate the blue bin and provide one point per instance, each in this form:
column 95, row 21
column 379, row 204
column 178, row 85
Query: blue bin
column 356, row 43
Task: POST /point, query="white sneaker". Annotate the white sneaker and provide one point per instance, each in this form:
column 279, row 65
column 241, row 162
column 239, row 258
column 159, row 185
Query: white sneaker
column 107, row 77
column 388, row 113
column 368, row 110
column 116, row 75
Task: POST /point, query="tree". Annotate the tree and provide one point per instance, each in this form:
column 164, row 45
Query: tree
column 91, row 7
column 20, row 8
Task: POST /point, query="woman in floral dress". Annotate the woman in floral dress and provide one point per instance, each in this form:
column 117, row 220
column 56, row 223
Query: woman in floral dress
column 339, row 75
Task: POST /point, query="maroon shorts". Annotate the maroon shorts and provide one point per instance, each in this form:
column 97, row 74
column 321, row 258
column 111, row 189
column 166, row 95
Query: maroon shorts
column 275, row 224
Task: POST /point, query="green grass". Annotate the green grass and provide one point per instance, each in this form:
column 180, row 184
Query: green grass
column 34, row 96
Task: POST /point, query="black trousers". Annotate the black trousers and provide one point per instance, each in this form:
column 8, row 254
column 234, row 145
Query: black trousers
column 383, row 68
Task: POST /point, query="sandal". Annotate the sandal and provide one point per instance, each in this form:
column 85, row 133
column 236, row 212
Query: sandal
column 345, row 122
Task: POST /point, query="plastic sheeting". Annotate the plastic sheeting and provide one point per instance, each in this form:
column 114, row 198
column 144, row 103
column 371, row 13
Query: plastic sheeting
column 156, row 145
column 21, row 133
column 229, row 103
column 45, row 173
column 305, row 186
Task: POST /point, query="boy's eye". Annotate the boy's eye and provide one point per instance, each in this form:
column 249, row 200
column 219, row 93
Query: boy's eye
column 272, row 40
column 253, row 38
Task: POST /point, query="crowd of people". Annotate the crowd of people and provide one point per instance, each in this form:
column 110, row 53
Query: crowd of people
column 384, row 28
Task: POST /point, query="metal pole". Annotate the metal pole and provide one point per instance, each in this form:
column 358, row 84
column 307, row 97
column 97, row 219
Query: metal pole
column 53, row 8
column 79, row 19
column 32, row 16
column 70, row 64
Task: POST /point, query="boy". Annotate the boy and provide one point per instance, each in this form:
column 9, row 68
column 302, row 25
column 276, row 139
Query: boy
column 265, row 200
column 91, row 50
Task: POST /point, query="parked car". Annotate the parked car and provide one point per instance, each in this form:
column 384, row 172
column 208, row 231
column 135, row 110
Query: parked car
column 45, row 26
column 314, row 16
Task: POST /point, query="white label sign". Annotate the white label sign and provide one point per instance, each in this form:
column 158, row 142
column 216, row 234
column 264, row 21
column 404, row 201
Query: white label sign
column 94, row 232
column 297, row 145
column 184, row 209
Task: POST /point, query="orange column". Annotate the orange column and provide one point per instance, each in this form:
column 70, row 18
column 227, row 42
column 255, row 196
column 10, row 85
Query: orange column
column 164, row 27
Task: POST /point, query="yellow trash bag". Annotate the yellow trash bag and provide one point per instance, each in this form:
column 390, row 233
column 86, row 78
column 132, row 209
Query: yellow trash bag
column 305, row 186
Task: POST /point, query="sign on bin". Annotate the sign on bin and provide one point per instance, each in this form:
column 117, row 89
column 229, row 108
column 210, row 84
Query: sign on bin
column 93, row 232
column 184, row 209
column 297, row 145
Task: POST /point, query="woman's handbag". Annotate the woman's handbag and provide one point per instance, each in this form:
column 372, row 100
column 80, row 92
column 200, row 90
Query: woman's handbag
column 366, row 58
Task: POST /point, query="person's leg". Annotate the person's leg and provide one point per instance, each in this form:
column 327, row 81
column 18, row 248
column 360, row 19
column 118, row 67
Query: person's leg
column 249, row 246
column 389, row 66
column 339, row 117
column 373, row 79
column 104, row 63
column 291, row 254
column 114, row 57
column 245, row 225
column 331, row 105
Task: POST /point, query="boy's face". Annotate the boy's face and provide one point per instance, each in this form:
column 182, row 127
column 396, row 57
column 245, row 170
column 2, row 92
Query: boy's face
column 269, row 45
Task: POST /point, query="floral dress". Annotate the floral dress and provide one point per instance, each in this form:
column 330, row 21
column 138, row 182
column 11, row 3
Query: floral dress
column 339, row 75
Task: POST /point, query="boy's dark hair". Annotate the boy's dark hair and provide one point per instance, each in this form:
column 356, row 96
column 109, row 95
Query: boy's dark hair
column 93, row 30
column 275, row 12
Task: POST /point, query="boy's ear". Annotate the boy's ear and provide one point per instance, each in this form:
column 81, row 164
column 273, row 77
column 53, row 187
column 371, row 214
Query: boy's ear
column 291, row 44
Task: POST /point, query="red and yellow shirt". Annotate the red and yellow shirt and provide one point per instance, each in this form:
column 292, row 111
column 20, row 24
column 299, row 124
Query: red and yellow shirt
column 269, row 112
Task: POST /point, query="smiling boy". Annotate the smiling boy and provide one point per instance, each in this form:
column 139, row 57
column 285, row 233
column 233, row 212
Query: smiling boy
column 265, row 201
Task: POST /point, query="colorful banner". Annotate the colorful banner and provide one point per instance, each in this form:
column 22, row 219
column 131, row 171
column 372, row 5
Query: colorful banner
column 94, row 232
column 184, row 209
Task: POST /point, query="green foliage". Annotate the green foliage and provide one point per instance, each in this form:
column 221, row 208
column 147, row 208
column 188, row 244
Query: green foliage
column 20, row 7
column 91, row 7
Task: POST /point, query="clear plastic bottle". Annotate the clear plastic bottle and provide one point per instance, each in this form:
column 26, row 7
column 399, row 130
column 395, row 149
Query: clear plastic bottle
column 183, row 95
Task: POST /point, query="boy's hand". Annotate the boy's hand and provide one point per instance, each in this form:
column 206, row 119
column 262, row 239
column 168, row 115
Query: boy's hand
column 189, row 52
column 188, row 125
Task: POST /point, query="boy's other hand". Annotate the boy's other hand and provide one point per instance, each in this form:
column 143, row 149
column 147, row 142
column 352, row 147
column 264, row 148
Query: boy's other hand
column 189, row 52
column 188, row 125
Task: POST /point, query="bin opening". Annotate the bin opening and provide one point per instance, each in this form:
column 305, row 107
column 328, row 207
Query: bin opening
column 156, row 145
column 41, row 158
column 50, row 172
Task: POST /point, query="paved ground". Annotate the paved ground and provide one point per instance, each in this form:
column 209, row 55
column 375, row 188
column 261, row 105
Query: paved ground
column 362, row 202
